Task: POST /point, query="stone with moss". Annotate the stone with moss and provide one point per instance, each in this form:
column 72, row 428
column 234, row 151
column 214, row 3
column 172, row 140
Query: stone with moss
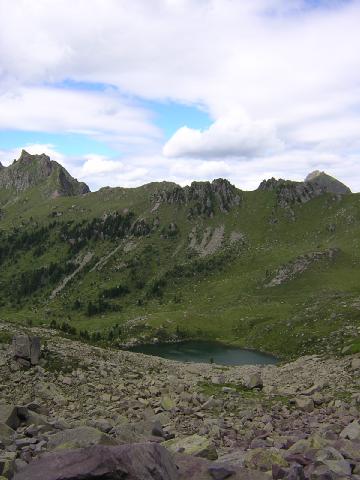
column 195, row 445
column 263, row 459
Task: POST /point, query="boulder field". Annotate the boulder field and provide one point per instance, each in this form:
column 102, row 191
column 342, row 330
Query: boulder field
column 87, row 412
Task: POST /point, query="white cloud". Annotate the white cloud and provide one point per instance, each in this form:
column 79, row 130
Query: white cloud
column 8, row 156
column 293, row 69
column 103, row 115
column 233, row 135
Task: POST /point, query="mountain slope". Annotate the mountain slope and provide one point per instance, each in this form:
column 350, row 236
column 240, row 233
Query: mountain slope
column 275, row 269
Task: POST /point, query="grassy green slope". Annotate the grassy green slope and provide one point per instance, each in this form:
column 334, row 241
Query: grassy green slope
column 169, row 288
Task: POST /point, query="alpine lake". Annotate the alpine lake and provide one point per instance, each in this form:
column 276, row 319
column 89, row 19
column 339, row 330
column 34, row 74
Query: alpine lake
column 206, row 352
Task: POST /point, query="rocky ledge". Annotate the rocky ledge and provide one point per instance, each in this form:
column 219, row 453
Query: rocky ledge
column 86, row 412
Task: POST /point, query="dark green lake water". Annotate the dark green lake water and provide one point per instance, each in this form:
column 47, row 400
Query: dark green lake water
column 195, row 351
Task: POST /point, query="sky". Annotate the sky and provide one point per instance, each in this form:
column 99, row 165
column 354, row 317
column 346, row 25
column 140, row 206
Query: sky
column 125, row 92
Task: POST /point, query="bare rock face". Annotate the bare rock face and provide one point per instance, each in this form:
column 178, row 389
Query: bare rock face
column 316, row 183
column 131, row 462
column 202, row 197
column 26, row 350
column 300, row 264
column 327, row 183
column 33, row 170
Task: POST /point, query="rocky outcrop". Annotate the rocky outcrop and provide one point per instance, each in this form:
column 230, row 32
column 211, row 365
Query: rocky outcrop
column 316, row 184
column 298, row 266
column 203, row 198
column 35, row 170
column 26, row 350
column 327, row 183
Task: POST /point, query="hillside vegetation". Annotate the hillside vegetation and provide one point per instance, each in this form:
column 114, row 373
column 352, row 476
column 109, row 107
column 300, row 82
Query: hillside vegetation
column 276, row 269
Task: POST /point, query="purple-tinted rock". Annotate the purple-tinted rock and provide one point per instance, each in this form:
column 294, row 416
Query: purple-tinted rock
column 278, row 472
column 196, row 468
column 296, row 472
column 133, row 462
column 220, row 472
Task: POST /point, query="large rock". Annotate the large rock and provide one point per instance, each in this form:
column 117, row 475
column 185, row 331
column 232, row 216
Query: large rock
column 6, row 463
column 49, row 391
column 26, row 349
column 9, row 415
column 253, row 381
column 131, row 462
column 6, row 434
column 79, row 437
column 352, row 431
column 264, row 458
column 193, row 445
column 305, row 404
column 195, row 468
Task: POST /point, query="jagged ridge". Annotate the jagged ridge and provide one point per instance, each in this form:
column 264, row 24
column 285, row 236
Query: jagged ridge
column 202, row 196
column 32, row 170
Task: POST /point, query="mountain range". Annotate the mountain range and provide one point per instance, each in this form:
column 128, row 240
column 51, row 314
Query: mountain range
column 275, row 269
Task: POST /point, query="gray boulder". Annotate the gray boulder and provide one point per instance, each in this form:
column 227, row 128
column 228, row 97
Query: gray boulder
column 9, row 415
column 351, row 431
column 253, row 381
column 26, row 349
column 6, row 434
column 79, row 437
column 133, row 462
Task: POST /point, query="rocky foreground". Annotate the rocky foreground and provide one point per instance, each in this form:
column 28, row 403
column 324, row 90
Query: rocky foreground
column 86, row 412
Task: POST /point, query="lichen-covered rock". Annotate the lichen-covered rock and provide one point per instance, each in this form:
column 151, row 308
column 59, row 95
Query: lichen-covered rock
column 263, row 459
column 9, row 416
column 351, row 431
column 305, row 404
column 196, row 445
column 253, row 381
column 79, row 437
column 6, row 434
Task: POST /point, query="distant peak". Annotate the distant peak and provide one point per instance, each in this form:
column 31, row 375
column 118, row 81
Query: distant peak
column 28, row 157
column 313, row 175
column 327, row 183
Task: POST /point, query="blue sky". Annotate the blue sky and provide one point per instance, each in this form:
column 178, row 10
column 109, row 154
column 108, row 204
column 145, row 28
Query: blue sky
column 183, row 90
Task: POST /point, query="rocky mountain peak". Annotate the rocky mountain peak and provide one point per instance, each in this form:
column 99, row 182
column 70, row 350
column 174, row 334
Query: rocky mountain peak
column 39, row 170
column 327, row 183
column 313, row 175
column 316, row 183
column 26, row 157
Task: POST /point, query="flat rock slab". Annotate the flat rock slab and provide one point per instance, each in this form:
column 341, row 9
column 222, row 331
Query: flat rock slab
column 195, row 468
column 79, row 437
column 131, row 462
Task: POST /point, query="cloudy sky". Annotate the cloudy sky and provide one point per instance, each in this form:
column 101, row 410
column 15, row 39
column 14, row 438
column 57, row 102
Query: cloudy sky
column 124, row 92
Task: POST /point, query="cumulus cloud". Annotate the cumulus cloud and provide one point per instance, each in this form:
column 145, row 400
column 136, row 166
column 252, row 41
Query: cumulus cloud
column 291, row 65
column 104, row 115
column 8, row 156
column 234, row 135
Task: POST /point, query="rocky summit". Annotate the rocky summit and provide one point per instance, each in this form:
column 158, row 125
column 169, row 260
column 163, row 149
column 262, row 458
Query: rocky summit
column 39, row 171
column 88, row 412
